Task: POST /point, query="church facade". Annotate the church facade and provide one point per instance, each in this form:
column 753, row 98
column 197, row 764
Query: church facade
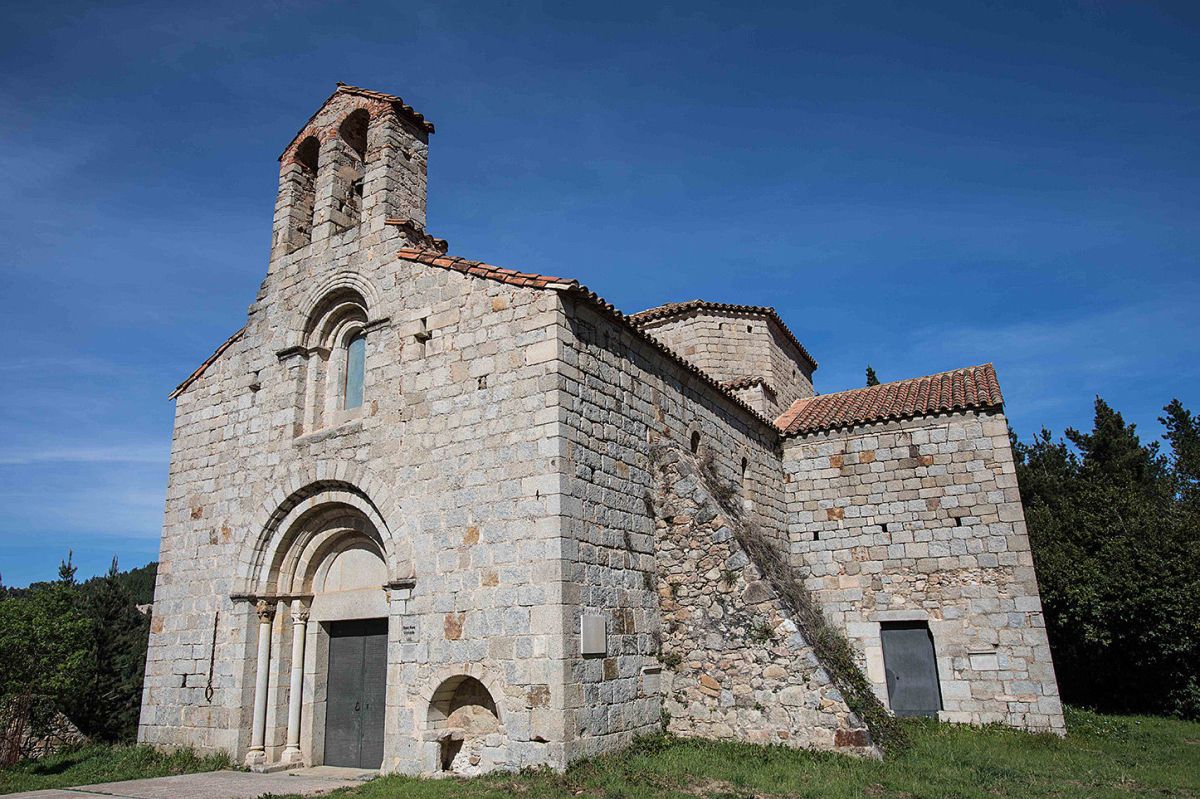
column 426, row 514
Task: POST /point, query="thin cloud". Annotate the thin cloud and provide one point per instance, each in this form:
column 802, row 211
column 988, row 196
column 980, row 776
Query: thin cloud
column 158, row 453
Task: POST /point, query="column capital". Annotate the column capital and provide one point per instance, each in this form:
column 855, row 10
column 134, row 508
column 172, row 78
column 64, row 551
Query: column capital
column 265, row 610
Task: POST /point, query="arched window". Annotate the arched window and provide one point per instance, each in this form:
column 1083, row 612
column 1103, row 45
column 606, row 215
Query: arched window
column 695, row 442
column 335, row 346
column 356, row 365
column 351, row 172
column 307, row 159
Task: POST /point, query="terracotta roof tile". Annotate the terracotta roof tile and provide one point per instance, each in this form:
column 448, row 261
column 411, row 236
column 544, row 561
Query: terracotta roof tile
column 487, row 271
column 417, row 235
column 398, row 103
column 973, row 387
column 672, row 309
column 202, row 368
column 747, row 382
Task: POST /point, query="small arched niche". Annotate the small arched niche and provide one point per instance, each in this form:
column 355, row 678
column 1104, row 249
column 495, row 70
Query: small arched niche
column 464, row 717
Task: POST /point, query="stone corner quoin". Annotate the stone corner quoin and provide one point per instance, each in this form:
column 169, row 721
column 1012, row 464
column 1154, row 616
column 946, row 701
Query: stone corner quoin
column 414, row 520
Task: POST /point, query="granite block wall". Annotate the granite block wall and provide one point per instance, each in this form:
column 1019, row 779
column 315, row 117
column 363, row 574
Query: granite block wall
column 920, row 520
column 732, row 345
column 455, row 444
column 619, row 394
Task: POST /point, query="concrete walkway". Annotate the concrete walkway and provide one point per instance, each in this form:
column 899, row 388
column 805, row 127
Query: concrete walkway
column 212, row 785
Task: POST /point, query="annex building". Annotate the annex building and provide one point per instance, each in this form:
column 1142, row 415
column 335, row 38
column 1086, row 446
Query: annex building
column 427, row 514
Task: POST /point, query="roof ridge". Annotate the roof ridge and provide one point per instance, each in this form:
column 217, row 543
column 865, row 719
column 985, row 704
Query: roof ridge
column 908, row 380
column 668, row 308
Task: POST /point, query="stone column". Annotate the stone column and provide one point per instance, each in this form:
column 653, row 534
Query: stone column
column 257, row 756
column 291, row 754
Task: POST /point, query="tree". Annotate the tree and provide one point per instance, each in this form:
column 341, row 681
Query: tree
column 45, row 660
column 66, row 570
column 1183, row 434
column 73, row 648
column 111, row 707
column 872, row 379
column 1117, row 562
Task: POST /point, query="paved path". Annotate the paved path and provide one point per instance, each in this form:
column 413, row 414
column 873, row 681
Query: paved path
column 211, row 785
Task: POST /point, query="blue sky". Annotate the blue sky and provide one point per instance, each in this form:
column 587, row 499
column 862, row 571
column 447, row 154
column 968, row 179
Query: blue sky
column 921, row 186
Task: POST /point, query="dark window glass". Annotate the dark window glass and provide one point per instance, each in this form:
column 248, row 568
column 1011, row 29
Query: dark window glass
column 356, row 363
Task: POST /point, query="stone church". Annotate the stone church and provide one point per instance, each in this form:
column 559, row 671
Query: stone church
column 428, row 515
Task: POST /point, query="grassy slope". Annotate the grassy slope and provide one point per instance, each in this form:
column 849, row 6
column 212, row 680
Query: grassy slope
column 1105, row 756
column 101, row 763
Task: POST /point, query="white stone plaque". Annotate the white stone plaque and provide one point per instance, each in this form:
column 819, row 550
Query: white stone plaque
column 593, row 636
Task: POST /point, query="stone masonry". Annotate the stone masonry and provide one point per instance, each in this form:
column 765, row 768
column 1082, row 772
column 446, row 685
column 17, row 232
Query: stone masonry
column 463, row 457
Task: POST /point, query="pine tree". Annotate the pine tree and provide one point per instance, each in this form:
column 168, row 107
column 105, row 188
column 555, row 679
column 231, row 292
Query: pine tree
column 1183, row 434
column 872, row 379
column 1117, row 564
column 119, row 653
column 66, row 570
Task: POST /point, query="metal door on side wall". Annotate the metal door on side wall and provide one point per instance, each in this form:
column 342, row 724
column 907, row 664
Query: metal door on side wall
column 911, row 668
column 356, row 683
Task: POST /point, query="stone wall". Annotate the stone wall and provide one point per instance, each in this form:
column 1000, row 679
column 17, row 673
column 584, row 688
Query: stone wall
column 737, row 666
column 454, row 446
column 732, row 345
column 619, row 394
column 921, row 521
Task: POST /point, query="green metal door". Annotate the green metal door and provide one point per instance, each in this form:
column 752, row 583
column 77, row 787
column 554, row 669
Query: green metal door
column 354, row 707
column 911, row 669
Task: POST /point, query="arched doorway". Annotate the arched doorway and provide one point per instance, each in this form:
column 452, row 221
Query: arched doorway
column 325, row 564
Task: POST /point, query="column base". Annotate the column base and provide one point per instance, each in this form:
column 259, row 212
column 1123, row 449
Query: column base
column 292, row 758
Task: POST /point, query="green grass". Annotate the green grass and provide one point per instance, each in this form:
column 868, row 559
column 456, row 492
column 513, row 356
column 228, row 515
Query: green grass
column 99, row 763
column 1104, row 756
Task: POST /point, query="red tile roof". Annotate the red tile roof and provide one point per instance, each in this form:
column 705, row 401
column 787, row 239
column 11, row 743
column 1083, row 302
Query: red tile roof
column 480, row 269
column 672, row 309
column 202, row 368
column 402, row 108
column 973, row 387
